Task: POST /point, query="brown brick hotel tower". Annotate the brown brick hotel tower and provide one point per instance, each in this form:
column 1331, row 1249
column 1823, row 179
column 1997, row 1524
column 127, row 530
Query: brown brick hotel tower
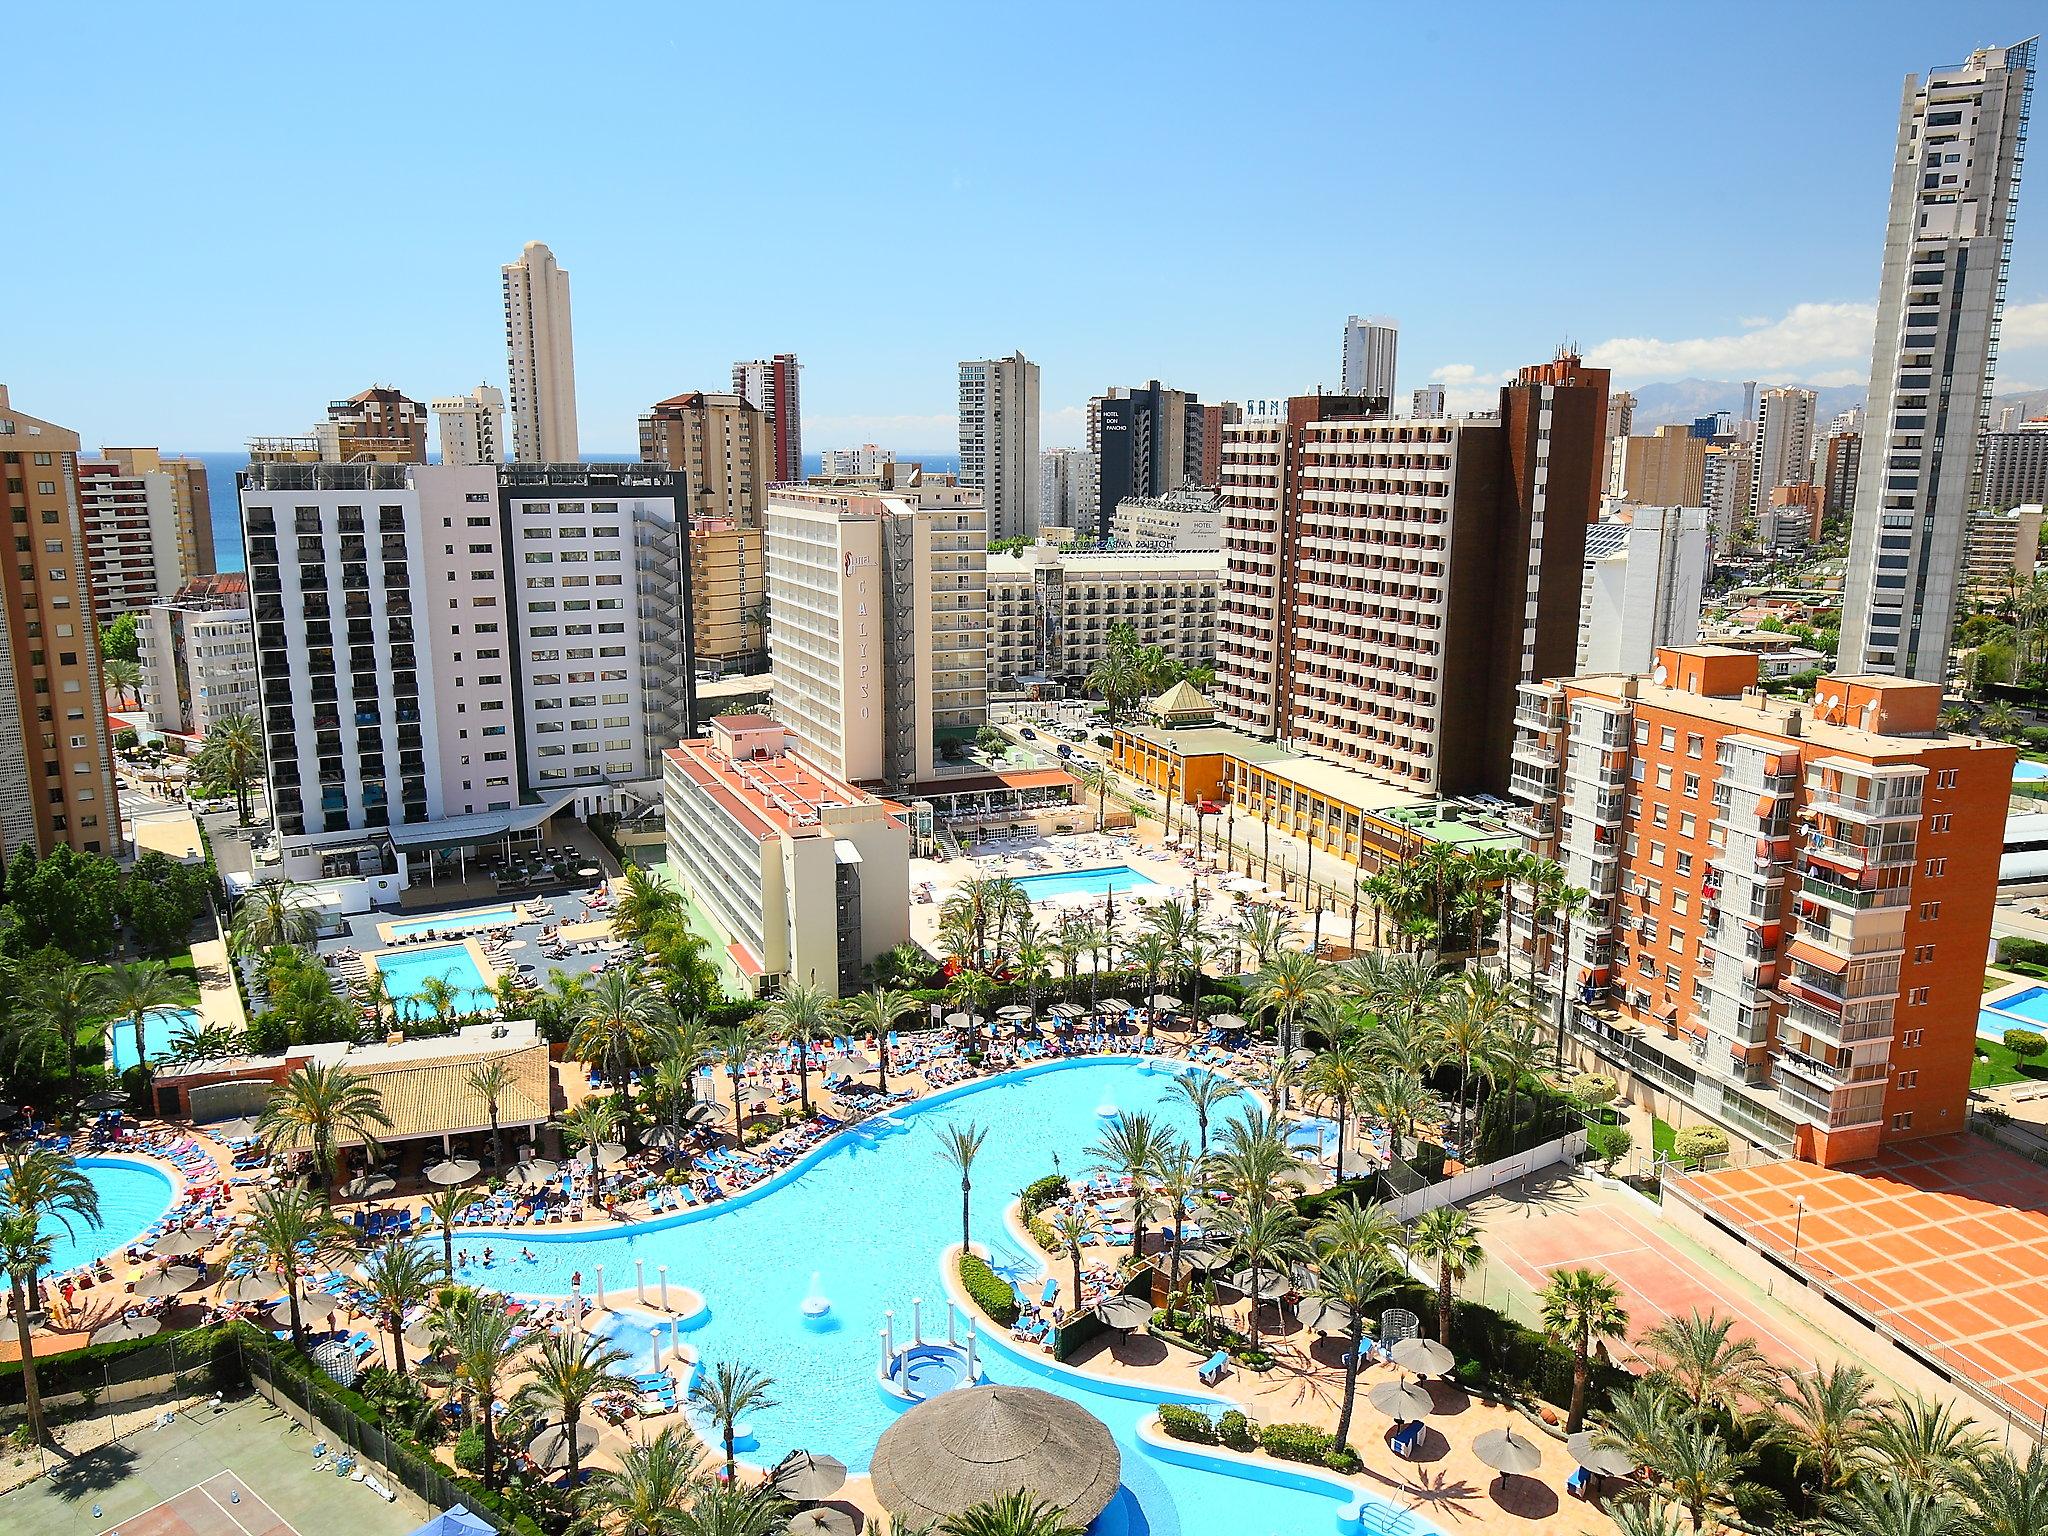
column 1390, row 583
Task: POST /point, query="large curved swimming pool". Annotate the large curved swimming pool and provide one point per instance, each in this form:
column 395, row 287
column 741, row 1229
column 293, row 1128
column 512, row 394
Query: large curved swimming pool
column 133, row 1194
column 864, row 1222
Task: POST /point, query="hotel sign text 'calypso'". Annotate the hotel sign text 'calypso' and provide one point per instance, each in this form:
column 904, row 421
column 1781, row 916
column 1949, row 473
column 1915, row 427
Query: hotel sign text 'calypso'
column 863, row 671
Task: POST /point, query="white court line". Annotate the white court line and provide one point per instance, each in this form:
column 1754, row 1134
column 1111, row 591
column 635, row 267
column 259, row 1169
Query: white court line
column 229, row 1510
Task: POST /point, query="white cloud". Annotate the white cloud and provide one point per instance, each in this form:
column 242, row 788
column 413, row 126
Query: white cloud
column 1810, row 343
column 1467, row 388
column 1065, row 427
column 2024, row 325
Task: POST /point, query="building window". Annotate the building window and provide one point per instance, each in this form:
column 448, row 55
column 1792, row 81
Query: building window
column 1923, row 954
column 1912, row 1037
column 1937, row 867
column 1929, row 911
column 1903, row 1121
column 1695, row 746
column 1668, row 738
column 1941, row 823
column 1692, row 786
column 1917, row 998
column 1663, row 775
column 1909, row 1079
column 1945, row 778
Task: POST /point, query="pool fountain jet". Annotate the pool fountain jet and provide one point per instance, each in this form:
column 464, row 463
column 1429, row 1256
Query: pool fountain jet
column 817, row 1307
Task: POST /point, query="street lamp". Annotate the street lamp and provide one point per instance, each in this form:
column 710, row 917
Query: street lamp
column 1798, row 1217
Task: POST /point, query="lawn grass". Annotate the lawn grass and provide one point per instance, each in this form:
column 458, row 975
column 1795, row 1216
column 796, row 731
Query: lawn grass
column 1997, row 1064
column 1662, row 1134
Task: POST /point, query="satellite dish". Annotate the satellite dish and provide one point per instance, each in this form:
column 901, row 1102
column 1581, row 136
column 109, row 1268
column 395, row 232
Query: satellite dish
column 1662, row 675
column 1870, row 715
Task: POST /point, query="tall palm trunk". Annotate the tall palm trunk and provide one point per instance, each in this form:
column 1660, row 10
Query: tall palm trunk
column 1564, row 982
column 572, row 1417
column 966, row 1194
column 448, row 1241
column 393, row 1322
column 31, row 1391
column 1356, row 1338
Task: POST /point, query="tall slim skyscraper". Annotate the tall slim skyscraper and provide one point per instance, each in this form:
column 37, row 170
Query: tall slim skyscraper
column 771, row 384
column 1783, row 453
column 1370, row 342
column 1955, row 177
column 189, row 494
column 541, row 358
column 1148, row 441
column 999, row 441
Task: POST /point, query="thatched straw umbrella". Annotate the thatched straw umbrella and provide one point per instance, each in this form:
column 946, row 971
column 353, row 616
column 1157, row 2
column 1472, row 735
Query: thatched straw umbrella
column 968, row 1446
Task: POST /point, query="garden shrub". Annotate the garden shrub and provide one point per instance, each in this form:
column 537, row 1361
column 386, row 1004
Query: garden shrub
column 1609, row 1143
column 1236, row 1430
column 1040, row 1193
column 1297, row 1442
column 1696, row 1143
column 1185, row 1423
column 987, row 1290
column 469, row 1450
column 2026, row 1042
column 1594, row 1088
column 1042, row 1234
column 2014, row 950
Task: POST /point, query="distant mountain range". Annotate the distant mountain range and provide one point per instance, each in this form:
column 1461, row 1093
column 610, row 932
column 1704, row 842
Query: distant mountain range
column 1685, row 399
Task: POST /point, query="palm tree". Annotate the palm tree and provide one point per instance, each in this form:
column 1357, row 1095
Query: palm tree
column 1447, row 1237
column 1254, row 1162
column 1288, row 987
column 39, row 1188
column 1580, row 1308
column 1927, row 1446
column 613, row 1024
column 727, row 1393
column 959, row 1145
column 1031, row 964
column 1867, row 1508
column 137, row 993
column 399, row 1277
column 293, row 1231
column 799, row 1016
column 270, row 913
column 1698, row 1469
column 721, row 1509
column 1179, row 1178
column 438, row 993
column 445, row 1205
column 1651, row 1516
column 1399, row 1099
column 1263, row 1237
column 1075, row 1231
column 231, row 757
column 316, row 1109
column 492, row 1081
column 376, row 994
column 1016, row 1513
column 1637, row 1420
column 1365, row 1231
column 1265, row 931
column 1471, row 1021
column 1339, row 1077
column 192, row 1043
column 569, row 1370
column 1568, row 903
column 486, row 1355
column 1135, row 1146
column 642, row 900
column 1706, row 1363
column 588, row 1126
column 2008, row 1497
column 1202, row 1091
column 877, row 1012
column 735, row 1044
column 123, row 679
column 56, row 1013
column 1354, row 1281
column 653, row 1485
column 1827, row 1420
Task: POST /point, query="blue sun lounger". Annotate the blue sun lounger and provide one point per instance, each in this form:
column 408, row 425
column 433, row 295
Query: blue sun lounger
column 1212, row 1369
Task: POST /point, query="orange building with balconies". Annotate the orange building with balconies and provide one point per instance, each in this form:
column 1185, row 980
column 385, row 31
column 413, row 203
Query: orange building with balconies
column 1788, row 905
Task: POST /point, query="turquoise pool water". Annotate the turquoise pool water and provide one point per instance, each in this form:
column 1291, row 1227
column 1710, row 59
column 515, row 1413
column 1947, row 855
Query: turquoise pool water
column 158, row 1030
column 455, row 922
column 132, row 1194
column 2028, row 772
column 1086, row 882
column 754, row 1259
column 405, row 970
column 2022, row 1010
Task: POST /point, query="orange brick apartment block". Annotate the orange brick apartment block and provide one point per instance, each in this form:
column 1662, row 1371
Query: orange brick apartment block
column 1791, row 902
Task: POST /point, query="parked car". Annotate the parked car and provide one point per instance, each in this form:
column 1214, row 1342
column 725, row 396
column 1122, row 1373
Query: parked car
column 1027, row 733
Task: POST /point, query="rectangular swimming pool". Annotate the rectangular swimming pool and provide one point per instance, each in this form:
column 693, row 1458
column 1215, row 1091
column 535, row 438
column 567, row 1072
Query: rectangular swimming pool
column 1086, row 882
column 158, row 1030
column 454, row 922
column 406, row 971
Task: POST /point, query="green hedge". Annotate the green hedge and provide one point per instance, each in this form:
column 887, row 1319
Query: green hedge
column 2012, row 951
column 1307, row 1442
column 80, row 1370
column 987, row 1290
column 1040, row 1193
column 1183, row 1422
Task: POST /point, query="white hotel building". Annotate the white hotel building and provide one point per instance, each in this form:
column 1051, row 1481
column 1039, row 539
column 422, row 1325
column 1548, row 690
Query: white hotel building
column 877, row 624
column 1050, row 612
column 406, row 664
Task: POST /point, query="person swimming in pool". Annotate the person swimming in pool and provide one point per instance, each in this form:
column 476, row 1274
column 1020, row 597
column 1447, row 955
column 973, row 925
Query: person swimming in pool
column 462, row 1258
column 527, row 1255
column 487, row 1253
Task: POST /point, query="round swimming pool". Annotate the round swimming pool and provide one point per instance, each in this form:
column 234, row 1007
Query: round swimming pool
column 132, row 1195
column 865, row 1222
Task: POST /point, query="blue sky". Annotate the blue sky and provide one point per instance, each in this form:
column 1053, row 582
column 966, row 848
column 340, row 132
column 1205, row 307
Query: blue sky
column 266, row 207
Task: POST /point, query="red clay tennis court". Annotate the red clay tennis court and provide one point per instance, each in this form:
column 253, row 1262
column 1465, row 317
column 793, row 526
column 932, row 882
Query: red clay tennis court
column 220, row 1506
column 1944, row 1242
column 1658, row 1279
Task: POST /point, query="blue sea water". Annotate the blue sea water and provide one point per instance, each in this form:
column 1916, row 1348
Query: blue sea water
column 227, row 518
